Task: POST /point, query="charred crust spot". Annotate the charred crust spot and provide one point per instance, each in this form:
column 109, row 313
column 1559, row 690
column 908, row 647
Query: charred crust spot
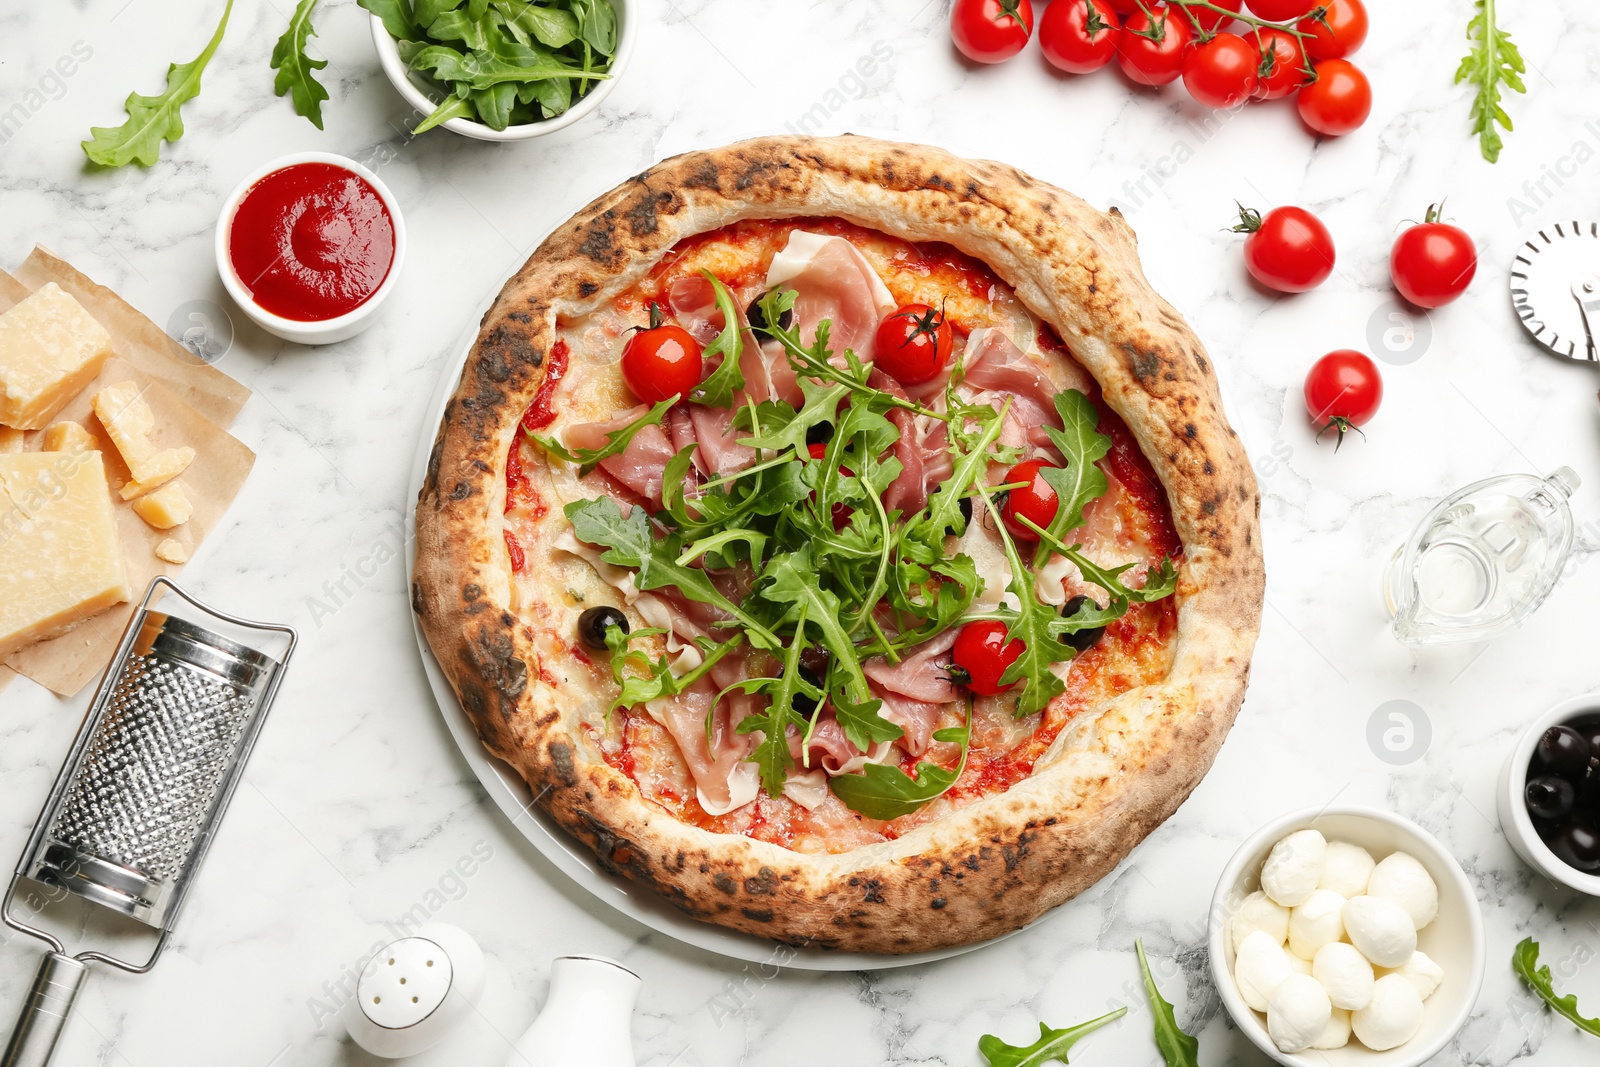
column 873, row 894
column 561, row 760
column 477, row 608
column 599, row 243
column 937, row 182
column 1209, row 507
column 471, row 591
column 1209, row 469
column 461, row 491
column 642, row 216
column 494, row 659
column 502, row 351
column 764, row 884
column 725, row 883
column 481, row 467
column 1191, row 431
column 937, row 903
column 507, row 619
column 760, row 915
column 548, row 719
column 1200, row 361
column 972, row 190
column 519, row 316
column 971, row 863
column 755, row 172
column 416, row 597
column 587, row 288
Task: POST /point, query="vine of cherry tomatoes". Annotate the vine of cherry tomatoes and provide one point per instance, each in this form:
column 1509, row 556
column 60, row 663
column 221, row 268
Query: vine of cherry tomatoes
column 1281, row 48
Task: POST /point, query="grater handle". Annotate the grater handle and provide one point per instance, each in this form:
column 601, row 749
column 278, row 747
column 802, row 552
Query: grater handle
column 45, row 1012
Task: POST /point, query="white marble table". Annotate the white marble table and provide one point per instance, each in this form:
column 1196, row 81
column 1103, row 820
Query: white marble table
column 357, row 805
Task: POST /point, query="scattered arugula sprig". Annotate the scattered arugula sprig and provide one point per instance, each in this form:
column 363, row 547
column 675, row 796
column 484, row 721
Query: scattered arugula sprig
column 1178, row 1049
column 1493, row 62
column 1525, row 961
column 297, row 70
column 1052, row 1046
column 153, row 119
column 617, row 441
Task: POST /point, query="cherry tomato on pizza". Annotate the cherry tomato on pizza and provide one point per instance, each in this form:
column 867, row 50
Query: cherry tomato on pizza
column 1338, row 32
column 1433, row 262
column 1343, row 392
column 1150, row 49
column 991, row 31
column 1281, row 10
column 1222, row 72
column 661, row 360
column 1078, row 36
column 981, row 656
column 913, row 344
column 1338, row 101
column 1282, row 66
column 1036, row 500
column 1289, row 249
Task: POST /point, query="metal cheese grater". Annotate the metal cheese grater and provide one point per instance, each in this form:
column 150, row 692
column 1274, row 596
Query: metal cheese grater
column 138, row 800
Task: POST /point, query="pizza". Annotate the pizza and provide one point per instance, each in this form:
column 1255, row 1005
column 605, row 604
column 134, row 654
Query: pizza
column 843, row 541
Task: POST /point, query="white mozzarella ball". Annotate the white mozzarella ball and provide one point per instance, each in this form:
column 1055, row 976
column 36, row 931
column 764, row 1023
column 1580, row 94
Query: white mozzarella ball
column 1381, row 929
column 1261, row 967
column 1422, row 972
column 1337, row 1033
column 1298, row 1013
column 1294, row 867
column 1345, row 973
column 1259, row 912
column 1402, row 879
column 1346, row 868
column 1298, row 965
column 1317, row 922
column 1392, row 1018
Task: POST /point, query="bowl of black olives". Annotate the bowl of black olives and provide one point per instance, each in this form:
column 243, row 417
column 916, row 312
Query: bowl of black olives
column 1549, row 796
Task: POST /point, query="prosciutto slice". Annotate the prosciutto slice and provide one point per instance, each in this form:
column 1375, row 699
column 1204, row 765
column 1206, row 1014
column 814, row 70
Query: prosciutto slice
column 722, row 778
column 641, row 464
column 921, row 676
column 694, row 304
column 832, row 280
column 994, row 362
column 918, row 719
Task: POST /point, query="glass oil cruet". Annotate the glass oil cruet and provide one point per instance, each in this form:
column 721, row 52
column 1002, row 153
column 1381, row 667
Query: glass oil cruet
column 1482, row 560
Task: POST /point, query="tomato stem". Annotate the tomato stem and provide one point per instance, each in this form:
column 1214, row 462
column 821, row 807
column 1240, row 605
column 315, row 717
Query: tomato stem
column 1344, row 426
column 1249, row 219
column 1011, row 9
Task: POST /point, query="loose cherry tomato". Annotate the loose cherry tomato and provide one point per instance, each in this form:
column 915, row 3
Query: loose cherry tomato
column 1283, row 63
column 1289, row 249
column 1343, row 392
column 990, row 31
column 913, row 344
column 1078, row 36
column 1209, row 20
column 1433, row 262
column 1281, row 10
column 1339, row 101
column 981, row 655
column 1222, row 72
column 661, row 360
column 1338, row 32
column 1036, row 500
column 1150, row 50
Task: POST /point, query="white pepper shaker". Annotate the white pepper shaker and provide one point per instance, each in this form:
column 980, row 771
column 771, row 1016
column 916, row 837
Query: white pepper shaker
column 414, row 991
column 587, row 1020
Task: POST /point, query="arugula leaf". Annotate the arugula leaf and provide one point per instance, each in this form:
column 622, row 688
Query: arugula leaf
column 599, row 25
column 882, row 791
column 1493, row 61
column 451, row 107
column 772, row 757
column 481, row 70
column 720, row 385
column 616, row 442
column 656, row 679
column 1160, row 582
column 1052, row 1046
column 296, row 70
column 1178, row 1049
column 153, row 119
column 1081, row 480
column 551, row 26
column 396, row 18
column 629, row 542
column 459, row 26
column 1525, row 962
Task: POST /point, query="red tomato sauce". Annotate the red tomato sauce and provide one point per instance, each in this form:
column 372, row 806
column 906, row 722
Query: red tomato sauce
column 542, row 412
column 311, row 242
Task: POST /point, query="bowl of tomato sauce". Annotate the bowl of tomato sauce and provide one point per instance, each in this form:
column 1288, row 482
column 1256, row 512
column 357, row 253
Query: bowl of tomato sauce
column 310, row 245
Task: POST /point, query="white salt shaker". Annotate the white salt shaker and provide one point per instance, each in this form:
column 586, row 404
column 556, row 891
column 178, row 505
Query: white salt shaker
column 414, row 991
column 587, row 1020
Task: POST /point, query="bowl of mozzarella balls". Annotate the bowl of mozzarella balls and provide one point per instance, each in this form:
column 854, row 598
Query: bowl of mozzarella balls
column 1345, row 936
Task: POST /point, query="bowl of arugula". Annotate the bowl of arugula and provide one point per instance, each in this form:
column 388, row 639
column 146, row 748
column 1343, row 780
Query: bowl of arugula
column 502, row 70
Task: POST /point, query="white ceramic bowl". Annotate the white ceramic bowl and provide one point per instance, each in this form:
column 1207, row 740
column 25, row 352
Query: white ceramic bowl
column 1514, row 818
column 413, row 86
column 1454, row 940
column 324, row 331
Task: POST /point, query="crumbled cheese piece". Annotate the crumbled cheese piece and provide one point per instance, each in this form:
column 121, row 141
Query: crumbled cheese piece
column 128, row 420
column 68, row 437
column 10, row 441
column 50, row 348
column 60, row 559
column 172, row 551
column 166, row 507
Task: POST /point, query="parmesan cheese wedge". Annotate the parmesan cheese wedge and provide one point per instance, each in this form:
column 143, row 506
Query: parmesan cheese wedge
column 50, row 348
column 68, row 437
column 60, row 559
column 10, row 440
column 165, row 508
column 128, row 421
column 172, row 551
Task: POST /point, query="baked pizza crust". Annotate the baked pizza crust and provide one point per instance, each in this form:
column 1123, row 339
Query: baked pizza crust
column 1000, row 862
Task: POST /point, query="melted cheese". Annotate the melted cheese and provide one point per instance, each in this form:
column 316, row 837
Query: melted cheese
column 50, row 348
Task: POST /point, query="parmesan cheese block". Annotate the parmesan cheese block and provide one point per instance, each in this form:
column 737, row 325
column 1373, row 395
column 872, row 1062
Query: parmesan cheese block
column 50, row 348
column 68, row 437
column 172, row 551
column 10, row 440
column 166, row 507
column 128, row 421
column 60, row 560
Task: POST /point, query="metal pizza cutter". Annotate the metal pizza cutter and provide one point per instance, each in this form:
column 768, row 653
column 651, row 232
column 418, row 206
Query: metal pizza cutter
column 1555, row 287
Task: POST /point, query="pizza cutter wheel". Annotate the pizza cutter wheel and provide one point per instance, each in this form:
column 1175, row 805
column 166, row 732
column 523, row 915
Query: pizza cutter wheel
column 1555, row 287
